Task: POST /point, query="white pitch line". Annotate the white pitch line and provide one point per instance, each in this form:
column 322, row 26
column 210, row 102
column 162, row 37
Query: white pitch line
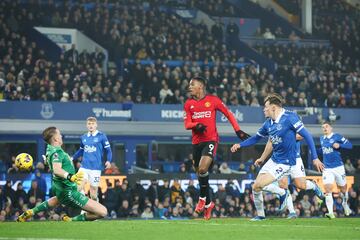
column 16, row 238
column 252, row 225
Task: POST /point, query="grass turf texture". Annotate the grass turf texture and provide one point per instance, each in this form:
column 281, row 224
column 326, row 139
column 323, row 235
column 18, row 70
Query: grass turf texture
column 236, row 228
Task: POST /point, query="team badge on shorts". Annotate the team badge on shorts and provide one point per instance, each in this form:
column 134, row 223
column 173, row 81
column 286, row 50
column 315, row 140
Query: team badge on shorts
column 207, row 104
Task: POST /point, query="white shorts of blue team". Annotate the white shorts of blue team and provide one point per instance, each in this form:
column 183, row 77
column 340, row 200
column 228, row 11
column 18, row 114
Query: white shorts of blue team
column 277, row 170
column 336, row 174
column 91, row 176
column 298, row 170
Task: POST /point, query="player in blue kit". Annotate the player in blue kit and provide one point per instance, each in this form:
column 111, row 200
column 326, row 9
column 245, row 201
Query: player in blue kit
column 297, row 175
column 281, row 127
column 92, row 148
column 331, row 143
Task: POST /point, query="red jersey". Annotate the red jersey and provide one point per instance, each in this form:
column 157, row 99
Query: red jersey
column 204, row 111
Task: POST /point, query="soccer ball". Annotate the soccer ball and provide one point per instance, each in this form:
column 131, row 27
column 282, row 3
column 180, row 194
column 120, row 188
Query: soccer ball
column 24, row 162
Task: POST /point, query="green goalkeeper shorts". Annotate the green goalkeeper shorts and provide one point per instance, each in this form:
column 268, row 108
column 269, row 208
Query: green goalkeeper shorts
column 71, row 198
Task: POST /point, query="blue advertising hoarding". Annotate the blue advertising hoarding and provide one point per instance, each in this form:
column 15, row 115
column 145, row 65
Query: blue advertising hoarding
column 154, row 113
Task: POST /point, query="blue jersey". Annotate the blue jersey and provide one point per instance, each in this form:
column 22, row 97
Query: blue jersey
column 282, row 133
column 92, row 148
column 331, row 156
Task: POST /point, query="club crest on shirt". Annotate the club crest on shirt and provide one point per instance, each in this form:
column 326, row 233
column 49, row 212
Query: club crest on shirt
column 207, row 104
column 331, row 141
column 96, row 139
column 278, row 127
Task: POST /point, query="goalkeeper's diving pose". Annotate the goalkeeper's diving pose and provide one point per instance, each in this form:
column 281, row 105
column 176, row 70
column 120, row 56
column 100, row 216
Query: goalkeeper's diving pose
column 64, row 183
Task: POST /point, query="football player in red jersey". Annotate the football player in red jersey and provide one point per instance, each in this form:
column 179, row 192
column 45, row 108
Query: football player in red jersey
column 200, row 117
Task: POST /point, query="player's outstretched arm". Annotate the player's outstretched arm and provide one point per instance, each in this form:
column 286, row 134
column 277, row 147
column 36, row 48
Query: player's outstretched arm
column 230, row 116
column 248, row 142
column 310, row 141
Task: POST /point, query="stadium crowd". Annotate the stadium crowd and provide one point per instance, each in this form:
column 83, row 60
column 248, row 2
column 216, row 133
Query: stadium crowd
column 169, row 201
column 131, row 33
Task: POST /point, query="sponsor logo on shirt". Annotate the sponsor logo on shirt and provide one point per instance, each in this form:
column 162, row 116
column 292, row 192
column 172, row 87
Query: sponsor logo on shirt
column 205, row 114
column 275, row 139
column 327, row 150
column 89, row 149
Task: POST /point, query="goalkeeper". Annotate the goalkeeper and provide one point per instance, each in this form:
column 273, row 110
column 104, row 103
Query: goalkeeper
column 64, row 183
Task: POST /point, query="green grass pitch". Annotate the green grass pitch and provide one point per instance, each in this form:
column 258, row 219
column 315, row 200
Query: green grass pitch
column 215, row 229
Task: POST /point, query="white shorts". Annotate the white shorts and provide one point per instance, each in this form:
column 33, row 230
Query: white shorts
column 337, row 174
column 92, row 176
column 275, row 169
column 298, row 170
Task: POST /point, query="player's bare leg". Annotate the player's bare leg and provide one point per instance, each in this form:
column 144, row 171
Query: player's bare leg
column 345, row 196
column 262, row 181
column 94, row 193
column 204, row 202
column 50, row 203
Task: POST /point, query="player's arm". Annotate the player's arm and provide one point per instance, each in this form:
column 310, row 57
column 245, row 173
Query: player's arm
column 310, row 141
column 230, row 116
column 262, row 132
column 58, row 171
column 79, row 152
column 189, row 124
column 266, row 153
column 248, row 142
column 107, row 148
column 342, row 143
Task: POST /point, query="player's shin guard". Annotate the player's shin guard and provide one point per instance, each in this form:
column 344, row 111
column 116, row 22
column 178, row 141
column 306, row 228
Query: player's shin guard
column 259, row 203
column 329, row 202
column 41, row 207
column 204, row 184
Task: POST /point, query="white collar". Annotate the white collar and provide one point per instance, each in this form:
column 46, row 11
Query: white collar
column 330, row 136
column 278, row 118
column 94, row 133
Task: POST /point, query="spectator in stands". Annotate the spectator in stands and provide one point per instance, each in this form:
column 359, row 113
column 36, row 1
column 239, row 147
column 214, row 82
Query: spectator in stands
column 349, row 168
column 224, row 169
column 268, row 34
column 36, row 192
column 147, row 213
column 111, row 198
column 124, row 210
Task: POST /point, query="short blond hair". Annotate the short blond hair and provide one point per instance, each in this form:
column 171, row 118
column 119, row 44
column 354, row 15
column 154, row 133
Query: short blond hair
column 91, row 119
column 275, row 99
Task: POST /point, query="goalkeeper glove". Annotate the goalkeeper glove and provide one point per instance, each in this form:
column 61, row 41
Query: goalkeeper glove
column 200, row 128
column 77, row 178
column 242, row 135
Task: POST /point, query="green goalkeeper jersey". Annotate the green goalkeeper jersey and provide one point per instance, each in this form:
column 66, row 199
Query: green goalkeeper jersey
column 57, row 154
